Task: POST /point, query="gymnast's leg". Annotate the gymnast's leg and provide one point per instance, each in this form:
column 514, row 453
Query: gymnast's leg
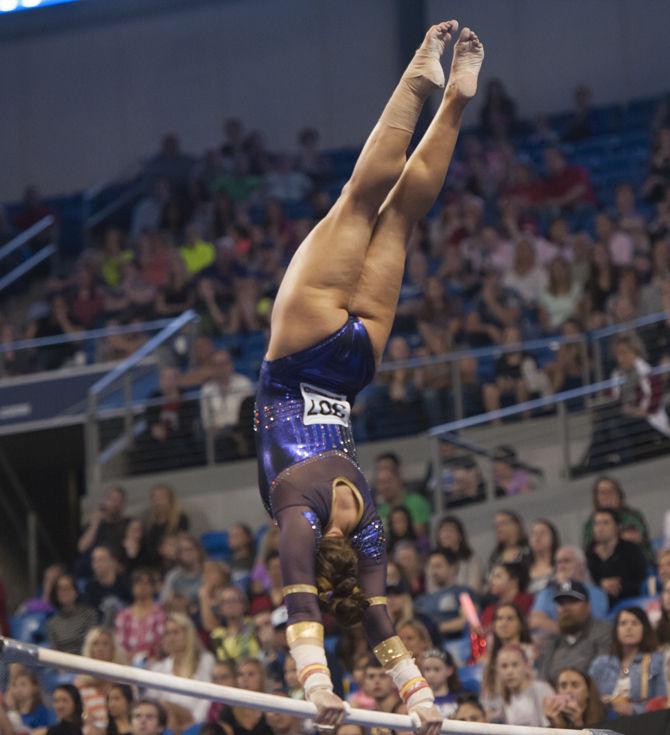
column 376, row 293
column 316, row 291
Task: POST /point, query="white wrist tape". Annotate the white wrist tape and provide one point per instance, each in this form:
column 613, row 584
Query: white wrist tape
column 312, row 667
column 411, row 684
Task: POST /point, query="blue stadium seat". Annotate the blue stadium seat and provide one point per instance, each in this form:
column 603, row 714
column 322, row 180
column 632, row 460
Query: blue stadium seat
column 29, row 627
column 216, row 545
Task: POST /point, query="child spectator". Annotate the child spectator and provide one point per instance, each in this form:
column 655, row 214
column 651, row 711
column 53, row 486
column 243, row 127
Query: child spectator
column 441, row 673
column 26, row 696
column 469, row 709
column 522, row 696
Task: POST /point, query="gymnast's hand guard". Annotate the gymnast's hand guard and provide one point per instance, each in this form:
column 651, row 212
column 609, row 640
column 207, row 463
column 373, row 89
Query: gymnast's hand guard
column 399, row 664
column 305, row 641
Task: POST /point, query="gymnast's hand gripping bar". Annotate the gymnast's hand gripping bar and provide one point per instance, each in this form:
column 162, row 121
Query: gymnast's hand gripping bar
column 15, row 652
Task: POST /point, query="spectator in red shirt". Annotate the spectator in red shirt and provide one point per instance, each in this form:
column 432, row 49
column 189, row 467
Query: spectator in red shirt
column 565, row 186
column 507, row 584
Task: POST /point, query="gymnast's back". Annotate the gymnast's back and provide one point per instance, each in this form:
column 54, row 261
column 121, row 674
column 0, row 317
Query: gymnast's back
column 304, row 402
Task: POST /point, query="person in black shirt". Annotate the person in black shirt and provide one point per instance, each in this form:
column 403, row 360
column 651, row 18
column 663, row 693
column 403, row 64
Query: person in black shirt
column 618, row 566
column 108, row 591
column 107, row 526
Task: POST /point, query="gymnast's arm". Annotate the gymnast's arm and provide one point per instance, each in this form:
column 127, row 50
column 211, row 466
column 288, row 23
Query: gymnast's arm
column 299, row 535
column 391, row 652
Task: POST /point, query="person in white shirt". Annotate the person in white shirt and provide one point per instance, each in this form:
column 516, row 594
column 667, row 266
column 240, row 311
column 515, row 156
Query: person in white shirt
column 222, row 396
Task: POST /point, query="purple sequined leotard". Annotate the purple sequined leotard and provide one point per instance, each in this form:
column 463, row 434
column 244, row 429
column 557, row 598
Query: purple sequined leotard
column 305, row 447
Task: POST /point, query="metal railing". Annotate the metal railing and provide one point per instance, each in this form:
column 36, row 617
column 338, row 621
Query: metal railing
column 594, row 357
column 114, row 388
column 555, row 428
column 33, row 260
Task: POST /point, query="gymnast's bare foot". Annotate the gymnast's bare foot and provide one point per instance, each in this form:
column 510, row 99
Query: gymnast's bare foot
column 467, row 61
column 425, row 71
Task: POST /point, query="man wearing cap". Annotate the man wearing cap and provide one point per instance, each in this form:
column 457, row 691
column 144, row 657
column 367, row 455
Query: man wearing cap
column 570, row 564
column 581, row 637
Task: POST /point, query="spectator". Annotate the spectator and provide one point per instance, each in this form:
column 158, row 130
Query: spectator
column 234, row 639
column 570, row 564
column 184, row 580
column 498, row 113
column 509, row 475
column 184, row 657
column 451, row 536
column 165, row 517
column 221, row 399
column 170, row 164
column 101, row 646
column 568, row 369
column 148, row 717
column 391, row 493
column 168, row 442
column 175, row 295
column 378, row 685
column 55, row 323
column 400, row 528
column 108, row 523
column 581, row 124
column 663, row 624
column 13, row 362
column 415, row 636
column 67, row 627
column 619, row 244
column 511, row 541
column 633, row 673
column 495, row 309
column 215, row 577
column 241, row 720
column 507, row 583
column 140, row 627
column 148, row 211
column 509, row 628
column 526, row 276
column 68, row 709
column 560, row 301
column 442, row 604
column 33, row 209
column 224, row 674
column 544, row 543
column 442, row 675
column 271, row 597
column 618, row 566
column 119, row 706
column 406, row 556
column 517, row 376
column 281, row 723
column 580, row 639
column 601, row 283
column 469, row 709
column 396, row 402
column 608, row 493
column 242, row 549
column 522, row 695
column 401, row 605
column 196, row 252
column 26, row 696
column 565, row 187
column 108, row 591
column 576, row 703
column 201, row 368
column 285, row 184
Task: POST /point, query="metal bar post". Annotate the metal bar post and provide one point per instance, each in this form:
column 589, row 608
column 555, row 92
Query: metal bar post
column 128, row 407
column 438, row 490
column 31, row 532
column 586, row 373
column 457, row 389
column 92, row 439
column 564, row 439
column 598, row 371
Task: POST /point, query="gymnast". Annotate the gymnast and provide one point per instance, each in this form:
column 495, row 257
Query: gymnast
column 331, row 320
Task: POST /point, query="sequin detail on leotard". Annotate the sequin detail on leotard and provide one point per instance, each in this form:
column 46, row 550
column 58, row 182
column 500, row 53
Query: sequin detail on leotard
column 370, row 541
column 313, row 521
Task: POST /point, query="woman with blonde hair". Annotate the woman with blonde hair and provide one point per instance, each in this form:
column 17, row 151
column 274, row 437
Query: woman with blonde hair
column 241, row 720
column 184, row 656
column 99, row 644
column 163, row 518
column 416, row 637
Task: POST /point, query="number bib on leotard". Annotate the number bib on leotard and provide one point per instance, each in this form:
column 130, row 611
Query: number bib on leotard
column 323, row 407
